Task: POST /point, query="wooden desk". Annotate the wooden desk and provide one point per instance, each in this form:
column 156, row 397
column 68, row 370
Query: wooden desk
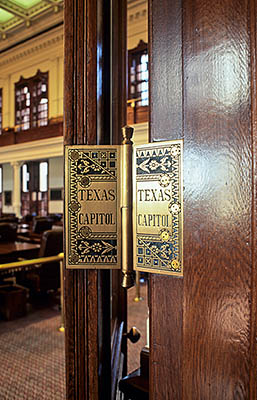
column 23, row 231
column 26, row 236
column 11, row 251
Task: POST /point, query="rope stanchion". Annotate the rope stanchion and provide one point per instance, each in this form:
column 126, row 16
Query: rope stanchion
column 138, row 297
column 61, row 327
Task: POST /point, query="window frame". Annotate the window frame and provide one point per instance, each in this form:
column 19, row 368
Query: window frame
column 35, row 118
column 34, row 201
column 134, row 55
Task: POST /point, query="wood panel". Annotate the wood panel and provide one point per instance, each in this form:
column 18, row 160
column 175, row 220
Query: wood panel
column 166, row 293
column 89, row 114
column 218, row 215
column 80, row 115
column 253, row 346
column 202, row 91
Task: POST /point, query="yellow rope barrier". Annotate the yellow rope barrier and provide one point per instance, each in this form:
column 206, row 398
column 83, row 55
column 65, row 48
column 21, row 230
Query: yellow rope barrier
column 38, row 261
column 28, row 263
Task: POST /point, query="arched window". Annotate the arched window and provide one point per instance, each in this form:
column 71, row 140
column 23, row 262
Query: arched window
column 31, row 101
column 138, row 97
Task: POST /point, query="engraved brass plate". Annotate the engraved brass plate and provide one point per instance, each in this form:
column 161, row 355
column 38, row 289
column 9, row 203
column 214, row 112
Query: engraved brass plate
column 158, row 208
column 92, row 207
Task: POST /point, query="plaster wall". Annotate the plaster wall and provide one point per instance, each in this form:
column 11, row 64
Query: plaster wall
column 44, row 52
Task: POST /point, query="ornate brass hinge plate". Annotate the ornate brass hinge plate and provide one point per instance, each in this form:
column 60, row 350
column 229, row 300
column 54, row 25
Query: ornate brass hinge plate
column 158, row 208
column 92, row 207
column 98, row 199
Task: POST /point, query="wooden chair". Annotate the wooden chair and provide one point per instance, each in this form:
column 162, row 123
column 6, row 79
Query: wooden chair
column 42, row 224
column 46, row 277
column 39, row 226
column 27, row 219
column 51, row 245
column 8, row 232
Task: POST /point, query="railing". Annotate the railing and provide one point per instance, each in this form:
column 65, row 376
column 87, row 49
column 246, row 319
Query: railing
column 9, row 136
column 37, row 262
column 133, row 102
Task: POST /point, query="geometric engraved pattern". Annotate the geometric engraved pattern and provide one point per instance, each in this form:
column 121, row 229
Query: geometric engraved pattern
column 86, row 247
column 161, row 250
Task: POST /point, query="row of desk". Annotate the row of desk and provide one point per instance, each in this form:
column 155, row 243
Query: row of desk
column 18, row 261
column 18, row 249
column 13, row 251
column 26, row 246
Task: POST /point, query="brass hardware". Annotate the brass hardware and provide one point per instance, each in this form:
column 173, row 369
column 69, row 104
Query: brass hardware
column 92, row 207
column 98, row 207
column 158, row 208
column 61, row 327
column 138, row 297
column 133, row 335
column 126, row 209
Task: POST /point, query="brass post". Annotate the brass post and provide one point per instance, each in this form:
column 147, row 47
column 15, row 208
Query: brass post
column 61, row 327
column 126, row 208
column 138, row 297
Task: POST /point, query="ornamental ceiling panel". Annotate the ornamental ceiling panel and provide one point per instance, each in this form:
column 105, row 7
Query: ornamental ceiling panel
column 20, row 19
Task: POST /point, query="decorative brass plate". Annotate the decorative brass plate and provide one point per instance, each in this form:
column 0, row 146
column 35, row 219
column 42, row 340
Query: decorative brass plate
column 158, row 208
column 92, row 207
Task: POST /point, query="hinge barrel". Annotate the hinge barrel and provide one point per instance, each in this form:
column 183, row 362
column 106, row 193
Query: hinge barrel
column 126, row 208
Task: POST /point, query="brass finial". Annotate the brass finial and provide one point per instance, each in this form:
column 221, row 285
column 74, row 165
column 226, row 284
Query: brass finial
column 127, row 133
column 128, row 279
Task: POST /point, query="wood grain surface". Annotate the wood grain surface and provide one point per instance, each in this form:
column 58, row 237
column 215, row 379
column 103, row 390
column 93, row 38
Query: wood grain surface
column 253, row 346
column 166, row 116
column 90, row 117
column 80, row 115
column 202, row 86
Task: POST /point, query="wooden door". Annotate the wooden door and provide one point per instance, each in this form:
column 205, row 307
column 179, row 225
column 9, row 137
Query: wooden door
column 203, row 90
column 34, row 201
column 95, row 106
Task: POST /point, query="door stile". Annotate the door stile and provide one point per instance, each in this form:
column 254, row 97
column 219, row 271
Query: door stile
column 89, row 114
column 203, row 326
column 166, row 123
column 118, row 121
column 80, row 110
column 253, row 345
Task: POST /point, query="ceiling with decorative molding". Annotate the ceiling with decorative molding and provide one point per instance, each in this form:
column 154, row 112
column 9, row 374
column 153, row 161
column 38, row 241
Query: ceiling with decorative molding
column 20, row 19
column 24, row 19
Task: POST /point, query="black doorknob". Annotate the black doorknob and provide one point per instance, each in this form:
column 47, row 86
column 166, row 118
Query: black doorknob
column 133, row 335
